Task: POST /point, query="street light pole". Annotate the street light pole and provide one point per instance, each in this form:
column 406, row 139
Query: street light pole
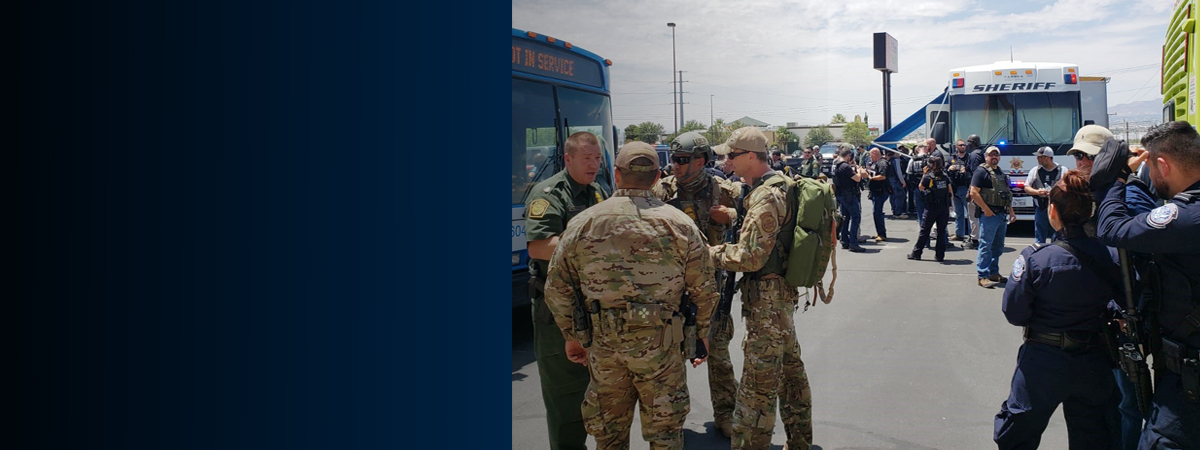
column 674, row 95
column 710, row 117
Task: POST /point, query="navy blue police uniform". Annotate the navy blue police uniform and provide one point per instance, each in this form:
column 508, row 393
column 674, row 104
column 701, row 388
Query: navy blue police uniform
column 1061, row 297
column 1168, row 234
column 937, row 212
column 849, row 199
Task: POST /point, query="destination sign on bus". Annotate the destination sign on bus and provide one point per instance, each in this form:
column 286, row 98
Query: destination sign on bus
column 542, row 59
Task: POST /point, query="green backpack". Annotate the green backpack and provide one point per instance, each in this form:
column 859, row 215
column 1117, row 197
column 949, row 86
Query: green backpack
column 810, row 235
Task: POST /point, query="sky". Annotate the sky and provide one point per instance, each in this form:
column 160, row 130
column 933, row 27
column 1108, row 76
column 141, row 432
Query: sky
column 782, row 61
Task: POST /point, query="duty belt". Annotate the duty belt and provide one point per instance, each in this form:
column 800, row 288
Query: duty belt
column 1070, row 341
column 1184, row 361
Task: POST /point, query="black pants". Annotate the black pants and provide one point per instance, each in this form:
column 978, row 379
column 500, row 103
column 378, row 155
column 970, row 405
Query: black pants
column 934, row 214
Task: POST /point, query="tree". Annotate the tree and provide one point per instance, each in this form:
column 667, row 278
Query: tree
column 838, row 118
column 718, row 131
column 856, row 133
column 692, row 125
column 818, row 136
column 649, row 132
column 783, row 136
column 631, row 133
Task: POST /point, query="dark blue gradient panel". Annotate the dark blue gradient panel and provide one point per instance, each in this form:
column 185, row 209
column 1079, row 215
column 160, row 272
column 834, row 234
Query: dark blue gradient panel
column 224, row 236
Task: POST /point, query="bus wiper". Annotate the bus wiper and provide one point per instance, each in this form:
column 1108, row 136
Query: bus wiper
column 992, row 139
column 558, row 151
column 1030, row 127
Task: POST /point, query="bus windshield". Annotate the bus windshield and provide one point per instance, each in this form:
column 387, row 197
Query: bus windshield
column 1032, row 118
column 534, row 137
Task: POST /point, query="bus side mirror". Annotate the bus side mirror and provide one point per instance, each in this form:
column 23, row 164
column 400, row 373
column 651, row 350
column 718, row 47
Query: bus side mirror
column 939, row 132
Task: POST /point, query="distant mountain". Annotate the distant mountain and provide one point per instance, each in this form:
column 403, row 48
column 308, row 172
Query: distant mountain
column 1152, row 107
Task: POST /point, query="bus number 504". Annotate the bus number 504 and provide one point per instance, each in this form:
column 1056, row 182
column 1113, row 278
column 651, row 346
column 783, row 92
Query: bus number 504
column 518, row 230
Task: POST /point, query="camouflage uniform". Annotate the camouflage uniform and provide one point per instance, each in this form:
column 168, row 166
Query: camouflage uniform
column 636, row 256
column 550, row 206
column 772, row 366
column 722, row 382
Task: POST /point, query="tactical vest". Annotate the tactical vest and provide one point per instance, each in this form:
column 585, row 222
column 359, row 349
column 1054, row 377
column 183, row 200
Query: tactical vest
column 696, row 207
column 936, row 193
column 997, row 198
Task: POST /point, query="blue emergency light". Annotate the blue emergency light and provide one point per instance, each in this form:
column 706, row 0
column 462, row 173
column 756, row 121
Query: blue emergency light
column 1002, row 143
column 958, row 83
column 1070, row 78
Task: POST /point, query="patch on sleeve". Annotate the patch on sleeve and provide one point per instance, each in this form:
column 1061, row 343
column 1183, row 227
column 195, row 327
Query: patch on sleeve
column 1162, row 215
column 768, row 224
column 1018, row 269
column 538, row 208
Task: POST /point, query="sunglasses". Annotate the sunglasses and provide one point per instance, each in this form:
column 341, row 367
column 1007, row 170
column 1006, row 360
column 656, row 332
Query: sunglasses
column 737, row 154
column 1080, row 155
column 960, row 145
column 681, row 159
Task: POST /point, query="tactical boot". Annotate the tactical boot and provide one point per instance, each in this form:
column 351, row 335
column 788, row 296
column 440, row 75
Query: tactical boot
column 913, row 256
column 986, row 283
column 997, row 278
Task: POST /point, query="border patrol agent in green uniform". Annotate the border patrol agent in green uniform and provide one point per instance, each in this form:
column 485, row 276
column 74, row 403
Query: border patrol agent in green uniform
column 551, row 204
column 711, row 203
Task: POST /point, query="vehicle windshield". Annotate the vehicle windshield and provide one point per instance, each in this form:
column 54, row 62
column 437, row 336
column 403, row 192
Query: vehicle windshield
column 534, row 141
column 1027, row 118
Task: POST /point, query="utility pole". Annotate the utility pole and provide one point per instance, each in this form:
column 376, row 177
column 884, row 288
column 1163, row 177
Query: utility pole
column 681, row 122
column 1126, row 130
column 710, row 118
column 673, row 91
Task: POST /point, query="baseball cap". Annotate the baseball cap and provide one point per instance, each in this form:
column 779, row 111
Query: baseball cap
column 1044, row 151
column 992, row 148
column 1089, row 139
column 721, row 149
column 690, row 142
column 815, row 148
column 745, row 138
column 634, row 151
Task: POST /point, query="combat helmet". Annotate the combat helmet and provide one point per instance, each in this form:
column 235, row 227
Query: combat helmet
column 692, row 143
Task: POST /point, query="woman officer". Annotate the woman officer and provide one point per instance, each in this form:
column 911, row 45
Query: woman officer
column 935, row 187
column 1059, row 292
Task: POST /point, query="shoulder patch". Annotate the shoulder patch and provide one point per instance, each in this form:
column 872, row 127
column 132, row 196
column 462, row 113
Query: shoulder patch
column 768, row 223
column 538, row 208
column 1161, row 216
column 1018, row 268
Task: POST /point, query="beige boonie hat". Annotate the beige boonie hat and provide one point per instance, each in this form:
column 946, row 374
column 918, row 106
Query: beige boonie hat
column 637, row 150
column 1089, row 139
column 745, row 138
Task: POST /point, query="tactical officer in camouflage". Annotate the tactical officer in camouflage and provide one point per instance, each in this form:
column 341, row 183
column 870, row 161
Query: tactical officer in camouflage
column 772, row 355
column 711, row 203
column 634, row 257
column 550, row 206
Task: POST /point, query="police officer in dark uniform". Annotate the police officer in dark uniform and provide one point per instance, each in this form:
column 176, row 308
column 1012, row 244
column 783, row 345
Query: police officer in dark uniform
column 846, row 178
column 1171, row 235
column 551, row 204
column 936, row 187
column 1059, row 293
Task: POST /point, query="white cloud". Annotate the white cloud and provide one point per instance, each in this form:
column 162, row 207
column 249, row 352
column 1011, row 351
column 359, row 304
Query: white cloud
column 803, row 61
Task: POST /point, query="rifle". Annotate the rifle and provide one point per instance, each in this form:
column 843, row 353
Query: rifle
column 1130, row 348
column 729, row 283
column 692, row 346
column 582, row 317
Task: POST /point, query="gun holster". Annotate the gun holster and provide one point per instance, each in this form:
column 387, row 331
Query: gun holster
column 1185, row 361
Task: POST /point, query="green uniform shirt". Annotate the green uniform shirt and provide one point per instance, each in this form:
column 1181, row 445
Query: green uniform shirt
column 550, row 205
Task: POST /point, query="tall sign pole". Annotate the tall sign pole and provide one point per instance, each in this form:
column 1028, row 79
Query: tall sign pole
column 885, row 61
